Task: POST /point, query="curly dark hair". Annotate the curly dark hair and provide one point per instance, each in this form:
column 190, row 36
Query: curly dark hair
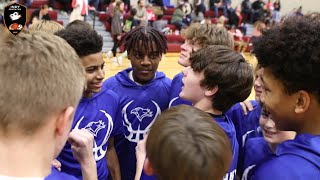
column 144, row 37
column 226, row 69
column 84, row 41
column 291, row 51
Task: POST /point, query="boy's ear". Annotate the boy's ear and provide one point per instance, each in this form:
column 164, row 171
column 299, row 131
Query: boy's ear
column 64, row 121
column 302, row 102
column 147, row 167
column 212, row 91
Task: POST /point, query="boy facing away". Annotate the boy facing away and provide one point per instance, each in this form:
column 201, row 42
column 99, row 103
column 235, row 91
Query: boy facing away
column 185, row 144
column 37, row 102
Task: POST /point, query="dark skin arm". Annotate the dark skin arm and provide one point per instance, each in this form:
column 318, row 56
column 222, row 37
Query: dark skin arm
column 112, row 160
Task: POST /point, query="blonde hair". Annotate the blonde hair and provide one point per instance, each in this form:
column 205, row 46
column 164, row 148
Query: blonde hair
column 46, row 26
column 208, row 34
column 40, row 75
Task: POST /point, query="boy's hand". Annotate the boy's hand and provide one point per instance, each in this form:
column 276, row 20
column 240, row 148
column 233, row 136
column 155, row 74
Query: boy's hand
column 82, row 145
column 56, row 164
column 246, row 106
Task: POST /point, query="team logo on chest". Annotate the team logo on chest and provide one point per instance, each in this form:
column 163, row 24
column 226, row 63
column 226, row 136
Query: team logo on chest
column 141, row 113
column 94, row 127
column 137, row 129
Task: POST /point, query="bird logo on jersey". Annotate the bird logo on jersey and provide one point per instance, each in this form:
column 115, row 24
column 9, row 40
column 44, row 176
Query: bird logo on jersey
column 136, row 129
column 141, row 113
column 94, row 127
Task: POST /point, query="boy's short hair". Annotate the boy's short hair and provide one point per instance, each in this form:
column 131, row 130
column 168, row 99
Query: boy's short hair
column 208, row 34
column 46, row 26
column 85, row 41
column 40, row 75
column 79, row 24
column 291, row 52
column 146, row 38
column 226, row 69
column 186, row 143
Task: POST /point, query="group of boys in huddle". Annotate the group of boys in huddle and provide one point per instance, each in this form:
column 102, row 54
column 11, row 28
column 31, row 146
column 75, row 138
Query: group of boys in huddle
column 60, row 120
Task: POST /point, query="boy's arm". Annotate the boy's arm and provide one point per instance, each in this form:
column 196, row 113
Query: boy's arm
column 112, row 161
column 141, row 156
column 82, row 144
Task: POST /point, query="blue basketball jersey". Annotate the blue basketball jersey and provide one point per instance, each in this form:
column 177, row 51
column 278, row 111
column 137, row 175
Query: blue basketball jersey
column 247, row 126
column 227, row 125
column 57, row 175
column 144, row 176
column 140, row 105
column 100, row 115
column 256, row 152
column 175, row 91
column 297, row 159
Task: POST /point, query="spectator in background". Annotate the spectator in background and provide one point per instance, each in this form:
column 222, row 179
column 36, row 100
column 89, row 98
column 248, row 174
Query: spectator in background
column 259, row 26
column 40, row 14
column 178, row 17
column 64, row 3
column 141, row 16
column 257, row 8
column 187, row 9
column 116, row 27
column 80, row 10
column 158, row 5
column 197, row 15
column 236, row 19
column 160, row 23
column 246, row 11
column 276, row 17
column 198, row 4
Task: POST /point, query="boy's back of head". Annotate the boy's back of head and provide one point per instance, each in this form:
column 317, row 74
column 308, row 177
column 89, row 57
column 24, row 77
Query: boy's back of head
column 48, row 26
column 40, row 75
column 42, row 81
column 185, row 143
column 225, row 69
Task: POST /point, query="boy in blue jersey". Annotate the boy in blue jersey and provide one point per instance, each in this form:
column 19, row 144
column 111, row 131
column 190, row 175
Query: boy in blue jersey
column 42, row 81
column 97, row 111
column 290, row 58
column 196, row 37
column 218, row 78
column 186, row 144
column 246, row 121
column 143, row 91
column 257, row 150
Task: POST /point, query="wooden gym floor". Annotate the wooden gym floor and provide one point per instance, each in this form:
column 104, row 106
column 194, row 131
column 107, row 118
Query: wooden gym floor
column 168, row 65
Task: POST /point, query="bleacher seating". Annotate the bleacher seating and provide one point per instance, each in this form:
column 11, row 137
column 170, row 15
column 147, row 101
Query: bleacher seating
column 174, row 42
column 169, row 11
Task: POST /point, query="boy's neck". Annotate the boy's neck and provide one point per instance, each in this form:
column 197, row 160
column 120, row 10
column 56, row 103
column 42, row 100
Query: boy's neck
column 26, row 157
column 206, row 106
column 273, row 147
